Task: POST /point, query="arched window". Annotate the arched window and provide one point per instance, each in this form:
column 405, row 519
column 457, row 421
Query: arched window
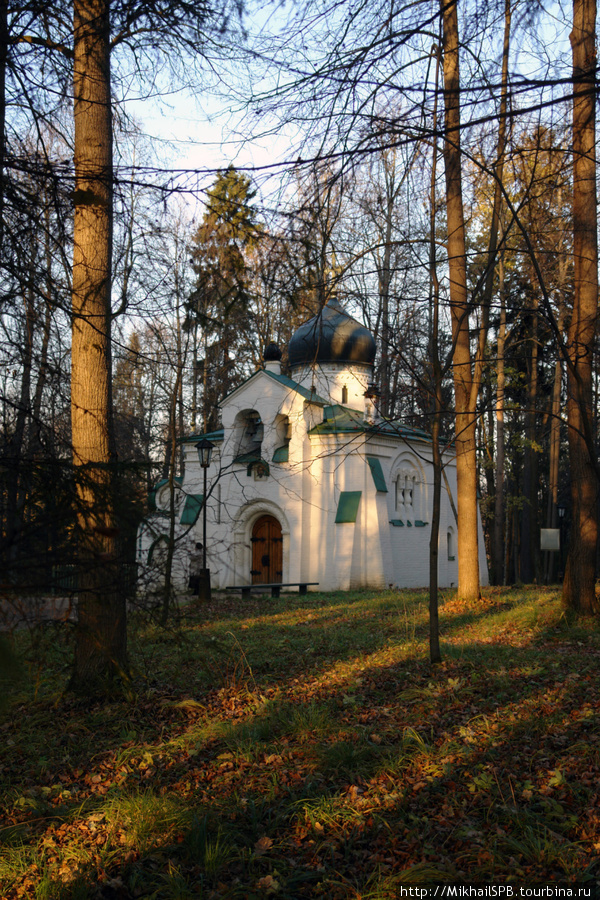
column 399, row 491
column 249, row 432
column 409, row 491
column 451, row 550
column 283, row 431
column 344, row 395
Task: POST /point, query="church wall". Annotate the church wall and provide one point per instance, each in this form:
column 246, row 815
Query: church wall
column 330, row 379
column 303, row 494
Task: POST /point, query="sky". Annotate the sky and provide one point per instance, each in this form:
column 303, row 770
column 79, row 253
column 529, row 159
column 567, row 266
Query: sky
column 199, row 133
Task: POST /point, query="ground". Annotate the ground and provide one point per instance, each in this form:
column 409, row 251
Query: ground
column 304, row 747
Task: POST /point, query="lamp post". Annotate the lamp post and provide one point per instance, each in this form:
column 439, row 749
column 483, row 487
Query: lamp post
column 561, row 510
column 205, row 449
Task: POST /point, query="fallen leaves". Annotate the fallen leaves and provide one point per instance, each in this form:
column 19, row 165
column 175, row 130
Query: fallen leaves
column 367, row 762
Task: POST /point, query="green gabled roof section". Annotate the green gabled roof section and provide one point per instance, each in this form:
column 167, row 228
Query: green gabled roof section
column 287, row 382
column 152, row 494
column 347, row 509
column 191, row 509
column 377, row 473
column 247, row 458
column 218, row 435
column 339, row 419
column 282, row 454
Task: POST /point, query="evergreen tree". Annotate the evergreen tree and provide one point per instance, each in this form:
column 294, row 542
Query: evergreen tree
column 222, row 297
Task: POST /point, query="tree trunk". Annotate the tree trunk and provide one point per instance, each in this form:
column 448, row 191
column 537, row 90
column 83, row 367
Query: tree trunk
column 579, row 590
column 529, row 515
column 464, row 397
column 3, row 62
column 554, row 457
column 435, row 655
column 100, row 652
column 498, row 548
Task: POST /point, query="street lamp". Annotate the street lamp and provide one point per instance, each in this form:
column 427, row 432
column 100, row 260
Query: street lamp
column 205, row 449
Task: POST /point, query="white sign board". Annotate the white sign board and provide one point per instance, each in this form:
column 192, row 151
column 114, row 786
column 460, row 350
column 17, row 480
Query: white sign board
column 550, row 538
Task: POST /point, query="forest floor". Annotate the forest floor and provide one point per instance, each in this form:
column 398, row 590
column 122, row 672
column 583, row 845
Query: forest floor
column 305, row 747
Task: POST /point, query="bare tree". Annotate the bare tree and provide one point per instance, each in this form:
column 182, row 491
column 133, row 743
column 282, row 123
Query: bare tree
column 465, row 389
column 579, row 588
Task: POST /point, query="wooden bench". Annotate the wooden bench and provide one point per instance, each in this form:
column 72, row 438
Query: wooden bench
column 275, row 587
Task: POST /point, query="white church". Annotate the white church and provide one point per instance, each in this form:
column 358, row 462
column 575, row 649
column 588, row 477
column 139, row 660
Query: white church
column 307, row 485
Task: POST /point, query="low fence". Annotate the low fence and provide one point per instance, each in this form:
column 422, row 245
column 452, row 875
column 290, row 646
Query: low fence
column 65, row 579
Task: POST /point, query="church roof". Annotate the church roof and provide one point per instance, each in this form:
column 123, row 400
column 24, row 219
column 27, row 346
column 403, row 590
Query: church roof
column 287, row 382
column 332, row 336
column 342, row 420
column 214, row 436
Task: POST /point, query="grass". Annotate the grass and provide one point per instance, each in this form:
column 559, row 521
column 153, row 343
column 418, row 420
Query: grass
column 304, row 747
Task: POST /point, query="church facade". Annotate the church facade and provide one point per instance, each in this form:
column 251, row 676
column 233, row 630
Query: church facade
column 306, row 482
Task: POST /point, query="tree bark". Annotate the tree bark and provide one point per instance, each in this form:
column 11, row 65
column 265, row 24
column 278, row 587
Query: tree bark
column 435, row 655
column 529, row 515
column 100, row 652
column 579, row 591
column 498, row 543
column 464, row 396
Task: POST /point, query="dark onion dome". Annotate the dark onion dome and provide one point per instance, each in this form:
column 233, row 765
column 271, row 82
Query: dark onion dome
column 332, row 336
column 272, row 353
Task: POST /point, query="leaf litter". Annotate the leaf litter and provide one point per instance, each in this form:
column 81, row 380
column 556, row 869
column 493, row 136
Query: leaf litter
column 307, row 760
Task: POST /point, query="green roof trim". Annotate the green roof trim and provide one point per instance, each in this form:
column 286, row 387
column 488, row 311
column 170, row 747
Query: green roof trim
column 420, row 524
column 247, row 458
column 152, row 494
column 311, row 396
column 377, row 473
column 191, row 509
column 348, row 506
column 339, row 419
column 217, row 435
column 397, row 523
column 281, row 454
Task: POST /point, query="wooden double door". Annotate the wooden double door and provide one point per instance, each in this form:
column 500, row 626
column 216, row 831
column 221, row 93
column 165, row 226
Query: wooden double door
column 267, row 551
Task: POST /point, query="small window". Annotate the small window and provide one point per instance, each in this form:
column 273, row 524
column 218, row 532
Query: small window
column 344, row 395
column 283, row 431
column 399, row 491
column 450, row 538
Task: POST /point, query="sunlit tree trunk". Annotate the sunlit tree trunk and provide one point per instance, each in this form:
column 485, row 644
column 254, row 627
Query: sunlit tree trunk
column 465, row 431
column 579, row 591
column 100, row 652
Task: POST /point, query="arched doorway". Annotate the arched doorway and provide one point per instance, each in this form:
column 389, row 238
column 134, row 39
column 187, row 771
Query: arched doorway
column 267, row 551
